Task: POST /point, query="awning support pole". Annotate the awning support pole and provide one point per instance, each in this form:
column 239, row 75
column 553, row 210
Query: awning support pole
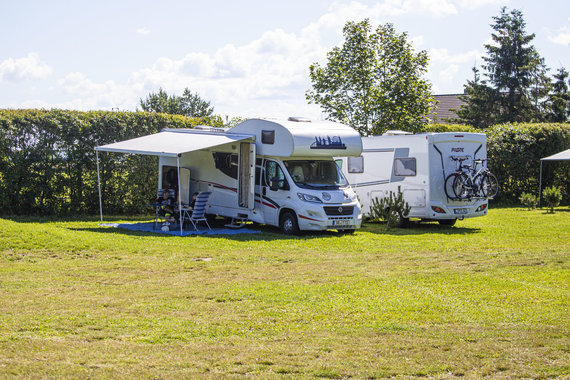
column 179, row 197
column 540, row 185
column 99, row 186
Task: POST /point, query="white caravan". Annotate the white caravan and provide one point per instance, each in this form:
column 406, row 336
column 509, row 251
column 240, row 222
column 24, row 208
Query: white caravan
column 280, row 173
column 419, row 165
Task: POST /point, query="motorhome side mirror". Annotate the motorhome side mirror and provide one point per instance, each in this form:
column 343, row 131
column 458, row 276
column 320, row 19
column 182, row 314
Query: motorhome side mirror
column 274, row 184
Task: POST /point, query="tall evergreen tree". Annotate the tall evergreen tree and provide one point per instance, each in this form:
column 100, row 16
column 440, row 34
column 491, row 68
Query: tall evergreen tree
column 516, row 76
column 560, row 97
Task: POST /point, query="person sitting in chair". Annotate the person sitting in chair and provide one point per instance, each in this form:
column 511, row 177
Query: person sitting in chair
column 193, row 202
column 166, row 207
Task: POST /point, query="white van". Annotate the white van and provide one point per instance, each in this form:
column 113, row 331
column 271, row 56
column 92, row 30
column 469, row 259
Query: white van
column 276, row 172
column 418, row 164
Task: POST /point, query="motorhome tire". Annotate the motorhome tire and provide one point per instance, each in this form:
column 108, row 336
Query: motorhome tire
column 288, row 223
column 447, row 222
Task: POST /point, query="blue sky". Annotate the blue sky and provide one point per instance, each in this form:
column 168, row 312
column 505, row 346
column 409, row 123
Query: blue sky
column 250, row 58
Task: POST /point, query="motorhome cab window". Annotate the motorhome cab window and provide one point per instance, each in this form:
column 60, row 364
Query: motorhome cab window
column 274, row 176
column 316, row 174
column 405, row 167
column 356, row 164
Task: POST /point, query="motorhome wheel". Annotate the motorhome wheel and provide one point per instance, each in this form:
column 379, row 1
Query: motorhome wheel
column 288, row 223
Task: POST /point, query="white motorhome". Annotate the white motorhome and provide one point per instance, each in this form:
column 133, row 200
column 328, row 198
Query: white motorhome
column 281, row 173
column 418, row 164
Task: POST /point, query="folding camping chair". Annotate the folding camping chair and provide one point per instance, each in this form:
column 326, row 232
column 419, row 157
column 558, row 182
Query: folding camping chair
column 199, row 210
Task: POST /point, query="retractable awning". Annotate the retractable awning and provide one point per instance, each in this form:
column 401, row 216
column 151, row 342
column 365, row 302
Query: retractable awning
column 168, row 143
column 561, row 156
column 171, row 143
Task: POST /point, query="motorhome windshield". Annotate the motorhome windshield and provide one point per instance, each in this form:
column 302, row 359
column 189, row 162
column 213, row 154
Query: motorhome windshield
column 316, row 174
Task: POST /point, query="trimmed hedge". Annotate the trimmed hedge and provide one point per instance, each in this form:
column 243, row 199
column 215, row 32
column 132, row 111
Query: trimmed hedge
column 48, row 166
column 514, row 152
column 47, row 159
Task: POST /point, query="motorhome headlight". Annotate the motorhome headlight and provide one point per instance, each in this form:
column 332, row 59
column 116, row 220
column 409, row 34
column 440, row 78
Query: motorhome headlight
column 309, row 198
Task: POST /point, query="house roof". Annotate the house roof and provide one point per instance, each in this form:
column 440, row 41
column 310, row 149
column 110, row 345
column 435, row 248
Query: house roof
column 446, row 107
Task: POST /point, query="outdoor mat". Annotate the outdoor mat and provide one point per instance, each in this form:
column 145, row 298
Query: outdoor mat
column 149, row 227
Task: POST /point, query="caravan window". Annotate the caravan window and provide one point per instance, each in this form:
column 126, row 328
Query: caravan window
column 227, row 163
column 405, row 167
column 356, row 164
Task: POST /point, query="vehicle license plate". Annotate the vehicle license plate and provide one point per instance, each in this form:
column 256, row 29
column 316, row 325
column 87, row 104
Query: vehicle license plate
column 342, row 222
column 460, row 211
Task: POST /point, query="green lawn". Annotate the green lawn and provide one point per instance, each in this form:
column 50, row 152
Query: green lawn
column 488, row 297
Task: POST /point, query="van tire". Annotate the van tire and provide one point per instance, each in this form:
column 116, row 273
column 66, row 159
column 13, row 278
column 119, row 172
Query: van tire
column 288, row 223
column 447, row 222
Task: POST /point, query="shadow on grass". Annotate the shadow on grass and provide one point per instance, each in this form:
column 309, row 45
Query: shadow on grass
column 268, row 233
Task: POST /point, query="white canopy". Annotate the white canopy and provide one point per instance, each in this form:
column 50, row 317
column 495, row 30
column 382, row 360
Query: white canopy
column 171, row 143
column 561, row 156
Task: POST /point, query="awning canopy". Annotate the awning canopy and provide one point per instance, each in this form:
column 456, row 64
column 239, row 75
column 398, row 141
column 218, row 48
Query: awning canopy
column 172, row 144
column 561, row 156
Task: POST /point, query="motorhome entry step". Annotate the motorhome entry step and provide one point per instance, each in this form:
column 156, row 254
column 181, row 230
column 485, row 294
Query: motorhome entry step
column 238, row 222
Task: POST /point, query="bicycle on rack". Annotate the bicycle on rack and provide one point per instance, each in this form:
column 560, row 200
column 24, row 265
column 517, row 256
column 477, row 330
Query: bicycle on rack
column 469, row 182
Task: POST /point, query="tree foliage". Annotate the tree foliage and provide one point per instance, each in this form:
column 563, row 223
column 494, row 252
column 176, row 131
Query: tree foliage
column 189, row 104
column 373, row 82
column 516, row 86
column 560, row 97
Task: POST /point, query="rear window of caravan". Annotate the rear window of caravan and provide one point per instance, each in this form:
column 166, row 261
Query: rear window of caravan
column 405, row 167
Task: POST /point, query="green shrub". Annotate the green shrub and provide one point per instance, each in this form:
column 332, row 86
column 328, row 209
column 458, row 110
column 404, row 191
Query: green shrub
column 529, row 200
column 392, row 209
column 552, row 196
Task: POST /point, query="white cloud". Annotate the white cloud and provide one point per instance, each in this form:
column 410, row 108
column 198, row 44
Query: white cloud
column 143, row 31
column 20, row 69
column 269, row 75
column 439, row 56
column 562, row 38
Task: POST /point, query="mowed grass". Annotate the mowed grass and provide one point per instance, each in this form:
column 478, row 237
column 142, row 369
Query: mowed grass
column 486, row 298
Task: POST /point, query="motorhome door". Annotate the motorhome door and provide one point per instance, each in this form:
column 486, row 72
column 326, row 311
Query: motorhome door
column 246, row 181
column 274, row 191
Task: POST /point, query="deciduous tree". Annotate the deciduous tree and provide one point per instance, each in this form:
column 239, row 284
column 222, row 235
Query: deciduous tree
column 373, row 82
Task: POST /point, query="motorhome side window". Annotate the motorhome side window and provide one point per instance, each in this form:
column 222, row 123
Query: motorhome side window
column 405, row 167
column 268, row 137
column 274, row 176
column 227, row 163
column 356, row 164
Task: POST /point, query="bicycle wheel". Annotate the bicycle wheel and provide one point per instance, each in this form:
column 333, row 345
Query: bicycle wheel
column 448, row 186
column 462, row 186
column 489, row 185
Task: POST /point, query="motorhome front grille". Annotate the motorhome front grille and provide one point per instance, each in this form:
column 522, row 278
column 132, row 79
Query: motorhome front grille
column 339, row 210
